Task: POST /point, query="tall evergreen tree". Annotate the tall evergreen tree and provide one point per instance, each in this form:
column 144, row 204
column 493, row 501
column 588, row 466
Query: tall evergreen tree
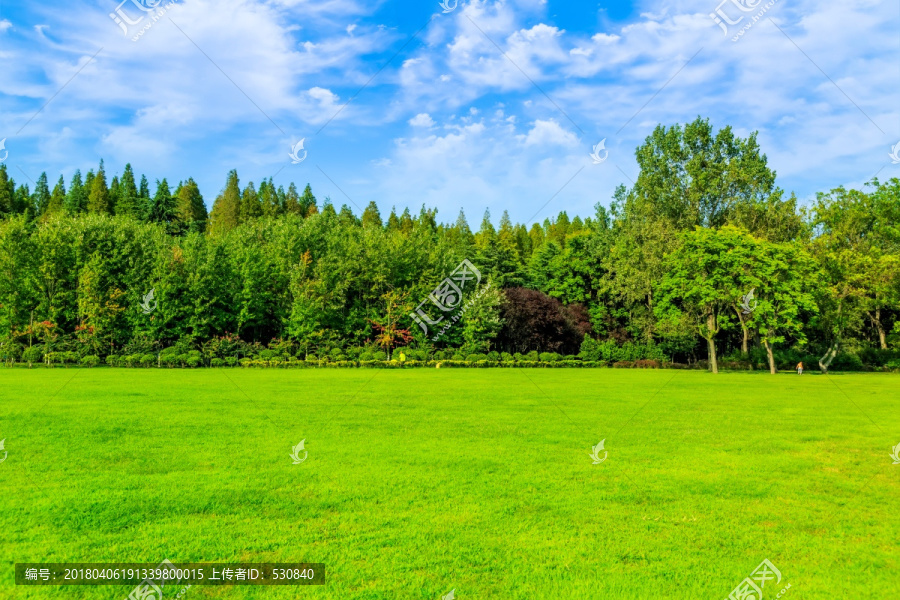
column 371, row 217
column 226, row 211
column 98, row 199
column 268, row 198
column 41, row 199
column 251, row 207
column 292, row 202
column 308, row 204
column 76, row 200
column 114, row 193
column 462, row 227
column 145, row 190
column 162, row 209
column 393, row 222
column 190, row 208
column 57, row 198
column 129, row 202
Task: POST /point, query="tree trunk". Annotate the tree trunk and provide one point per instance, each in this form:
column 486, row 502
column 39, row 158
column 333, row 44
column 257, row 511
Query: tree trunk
column 825, row 361
column 876, row 321
column 772, row 368
column 745, row 343
column 711, row 342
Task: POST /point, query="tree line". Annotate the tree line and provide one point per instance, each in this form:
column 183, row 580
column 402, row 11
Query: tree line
column 703, row 257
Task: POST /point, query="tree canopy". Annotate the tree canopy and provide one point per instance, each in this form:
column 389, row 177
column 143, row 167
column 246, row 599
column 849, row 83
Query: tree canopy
column 703, row 257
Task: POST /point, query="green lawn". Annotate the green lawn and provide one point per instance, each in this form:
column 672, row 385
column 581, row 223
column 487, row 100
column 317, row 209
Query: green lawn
column 422, row 481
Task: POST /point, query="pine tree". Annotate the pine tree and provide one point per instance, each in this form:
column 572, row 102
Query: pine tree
column 41, row 199
column 88, row 184
column 371, row 217
column 486, row 244
column 487, row 235
column 347, row 217
column 523, row 241
column 559, row 230
column 406, row 222
column 462, row 232
column 251, row 207
column 509, row 271
column 190, row 208
column 327, row 208
column 129, row 202
column 226, row 211
column 537, row 237
column 268, row 198
column 76, row 200
column 427, row 219
column 292, row 202
column 162, row 208
column 57, row 198
column 98, row 199
column 308, row 204
column 393, row 222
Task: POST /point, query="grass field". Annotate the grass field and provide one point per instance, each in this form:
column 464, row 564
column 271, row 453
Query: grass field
column 423, row 481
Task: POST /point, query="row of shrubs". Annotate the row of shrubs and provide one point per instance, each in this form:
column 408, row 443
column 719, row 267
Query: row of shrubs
column 195, row 361
column 192, row 362
column 592, row 355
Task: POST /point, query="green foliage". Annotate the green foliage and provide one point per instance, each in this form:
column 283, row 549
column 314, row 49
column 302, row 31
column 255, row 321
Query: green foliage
column 33, row 354
column 90, row 361
column 269, row 275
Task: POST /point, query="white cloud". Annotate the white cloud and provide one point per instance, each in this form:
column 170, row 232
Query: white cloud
column 422, row 120
column 157, row 98
column 549, row 133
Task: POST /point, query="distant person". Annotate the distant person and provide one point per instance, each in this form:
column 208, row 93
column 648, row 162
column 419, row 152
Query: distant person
column 800, row 368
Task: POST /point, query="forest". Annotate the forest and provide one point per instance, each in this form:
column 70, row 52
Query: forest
column 704, row 261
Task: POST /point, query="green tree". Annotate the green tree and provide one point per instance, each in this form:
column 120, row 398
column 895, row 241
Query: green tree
column 190, row 207
column 162, row 208
column 371, row 217
column 98, row 199
column 76, row 200
column 129, row 202
column 7, row 192
column 57, row 198
column 702, row 281
column 226, row 211
column 41, row 198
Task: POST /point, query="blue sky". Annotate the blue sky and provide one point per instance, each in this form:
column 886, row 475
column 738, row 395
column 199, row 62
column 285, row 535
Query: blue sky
column 490, row 105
